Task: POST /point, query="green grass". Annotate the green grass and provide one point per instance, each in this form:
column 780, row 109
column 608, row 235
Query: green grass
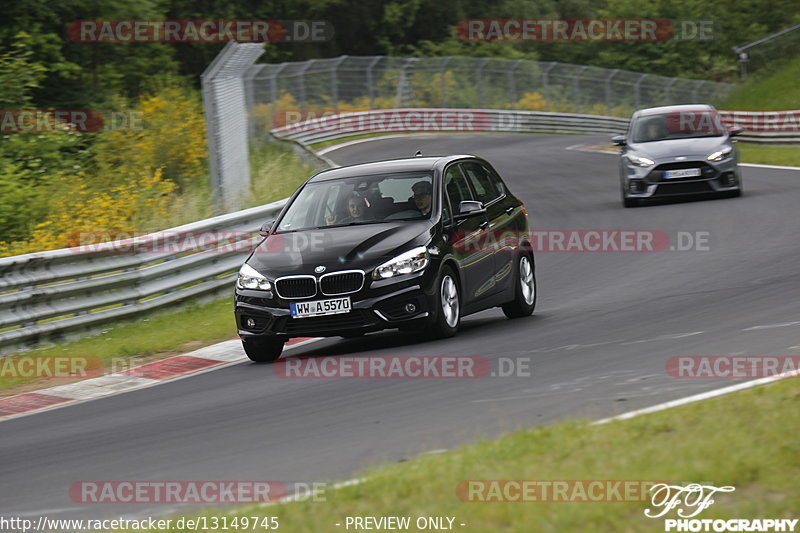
column 769, row 154
column 156, row 336
column 775, row 90
column 747, row 440
column 275, row 172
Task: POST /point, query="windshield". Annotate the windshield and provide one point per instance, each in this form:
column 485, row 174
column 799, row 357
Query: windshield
column 677, row 125
column 360, row 200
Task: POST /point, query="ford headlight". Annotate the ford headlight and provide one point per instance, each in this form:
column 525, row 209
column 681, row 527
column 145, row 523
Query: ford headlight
column 405, row 263
column 249, row 278
column 719, row 155
column 640, row 161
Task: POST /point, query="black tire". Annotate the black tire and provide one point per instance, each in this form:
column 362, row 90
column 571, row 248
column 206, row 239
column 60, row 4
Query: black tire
column 446, row 324
column 630, row 202
column 263, row 349
column 524, row 301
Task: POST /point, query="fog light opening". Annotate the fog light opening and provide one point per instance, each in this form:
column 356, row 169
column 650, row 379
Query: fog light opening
column 636, row 186
column 250, row 323
column 410, row 308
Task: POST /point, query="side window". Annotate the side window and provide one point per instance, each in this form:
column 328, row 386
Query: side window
column 486, row 187
column 495, row 179
column 457, row 189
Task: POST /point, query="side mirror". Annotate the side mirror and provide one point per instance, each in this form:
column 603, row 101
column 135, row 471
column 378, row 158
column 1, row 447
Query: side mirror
column 733, row 132
column 619, row 140
column 266, row 227
column 469, row 208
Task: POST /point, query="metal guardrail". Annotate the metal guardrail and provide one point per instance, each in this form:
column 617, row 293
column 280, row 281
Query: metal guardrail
column 446, row 120
column 513, row 121
column 46, row 296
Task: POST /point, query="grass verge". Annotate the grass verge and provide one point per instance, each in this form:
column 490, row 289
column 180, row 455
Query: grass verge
column 746, row 440
column 775, row 90
column 769, row 154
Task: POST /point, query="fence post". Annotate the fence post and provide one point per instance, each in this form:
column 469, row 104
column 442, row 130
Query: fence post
column 225, row 107
column 694, row 91
column 480, row 80
column 608, row 89
column 443, row 84
column 577, row 88
column 302, row 75
column 668, row 91
column 334, row 82
column 637, row 91
column 370, row 82
column 512, row 87
column 546, row 84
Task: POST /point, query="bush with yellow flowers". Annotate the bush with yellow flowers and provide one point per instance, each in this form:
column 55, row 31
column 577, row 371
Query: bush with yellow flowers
column 131, row 181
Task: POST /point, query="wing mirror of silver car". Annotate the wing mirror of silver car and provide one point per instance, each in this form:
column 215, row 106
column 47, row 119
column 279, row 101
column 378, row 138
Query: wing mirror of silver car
column 619, row 140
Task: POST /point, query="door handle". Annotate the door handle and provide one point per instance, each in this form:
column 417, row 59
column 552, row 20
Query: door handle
column 484, row 224
column 510, row 210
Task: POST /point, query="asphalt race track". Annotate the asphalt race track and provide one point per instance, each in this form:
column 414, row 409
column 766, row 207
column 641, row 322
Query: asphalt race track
column 605, row 326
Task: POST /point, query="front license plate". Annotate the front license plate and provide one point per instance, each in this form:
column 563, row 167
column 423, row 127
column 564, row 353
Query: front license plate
column 682, row 173
column 333, row 306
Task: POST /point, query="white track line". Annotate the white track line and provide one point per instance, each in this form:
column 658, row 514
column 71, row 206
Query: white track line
column 699, row 397
column 327, row 149
column 777, row 167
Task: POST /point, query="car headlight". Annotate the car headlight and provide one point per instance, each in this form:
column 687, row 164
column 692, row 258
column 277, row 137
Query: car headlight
column 719, row 155
column 639, row 160
column 411, row 261
column 249, row 278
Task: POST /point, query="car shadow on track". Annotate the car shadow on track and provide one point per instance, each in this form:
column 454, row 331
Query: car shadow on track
column 477, row 327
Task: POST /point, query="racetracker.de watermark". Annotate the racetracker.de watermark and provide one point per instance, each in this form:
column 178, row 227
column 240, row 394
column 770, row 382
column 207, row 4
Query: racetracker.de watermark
column 572, row 241
column 238, row 241
column 585, row 30
column 393, row 120
column 174, row 492
column 68, row 120
column 732, row 366
column 58, row 366
column 199, row 31
column 551, row 491
column 402, row 367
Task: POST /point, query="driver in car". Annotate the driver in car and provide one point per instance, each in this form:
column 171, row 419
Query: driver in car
column 357, row 208
column 423, row 192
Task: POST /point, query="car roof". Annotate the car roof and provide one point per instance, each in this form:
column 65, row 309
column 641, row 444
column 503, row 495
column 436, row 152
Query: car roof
column 408, row 164
column 669, row 108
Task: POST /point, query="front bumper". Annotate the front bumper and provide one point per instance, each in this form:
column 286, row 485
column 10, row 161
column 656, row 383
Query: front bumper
column 650, row 182
column 372, row 309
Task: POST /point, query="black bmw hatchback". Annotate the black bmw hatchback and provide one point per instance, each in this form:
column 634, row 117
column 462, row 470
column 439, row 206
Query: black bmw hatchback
column 413, row 244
